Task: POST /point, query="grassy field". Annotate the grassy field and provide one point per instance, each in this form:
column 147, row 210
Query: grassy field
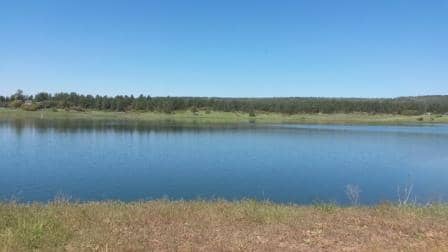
column 227, row 117
column 220, row 226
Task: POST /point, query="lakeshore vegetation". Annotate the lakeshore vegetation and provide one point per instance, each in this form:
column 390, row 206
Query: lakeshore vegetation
column 246, row 225
column 290, row 105
column 432, row 109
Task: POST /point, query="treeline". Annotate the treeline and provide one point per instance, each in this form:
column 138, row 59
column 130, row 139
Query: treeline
column 292, row 105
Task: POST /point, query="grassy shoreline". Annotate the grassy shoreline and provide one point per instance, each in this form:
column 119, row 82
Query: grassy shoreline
column 215, row 117
column 220, row 225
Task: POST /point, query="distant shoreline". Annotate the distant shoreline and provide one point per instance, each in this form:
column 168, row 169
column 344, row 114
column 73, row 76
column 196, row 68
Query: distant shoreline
column 217, row 117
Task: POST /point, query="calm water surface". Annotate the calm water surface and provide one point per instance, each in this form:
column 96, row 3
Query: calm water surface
column 99, row 160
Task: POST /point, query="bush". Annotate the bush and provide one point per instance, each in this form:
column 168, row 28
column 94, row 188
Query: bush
column 30, row 107
column 78, row 109
column 16, row 104
column 410, row 112
column 168, row 110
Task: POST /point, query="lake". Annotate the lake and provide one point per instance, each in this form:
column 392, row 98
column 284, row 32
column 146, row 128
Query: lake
column 118, row 160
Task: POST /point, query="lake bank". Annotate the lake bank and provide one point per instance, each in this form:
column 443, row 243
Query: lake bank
column 216, row 117
column 220, row 225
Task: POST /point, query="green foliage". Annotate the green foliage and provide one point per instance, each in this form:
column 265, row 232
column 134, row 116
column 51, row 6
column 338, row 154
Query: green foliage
column 16, row 104
column 292, row 105
column 40, row 97
column 30, row 227
column 18, row 95
column 30, row 107
column 410, row 112
column 78, row 108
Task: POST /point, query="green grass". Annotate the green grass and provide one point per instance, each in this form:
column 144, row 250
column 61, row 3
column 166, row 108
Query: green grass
column 215, row 117
column 32, row 227
column 219, row 225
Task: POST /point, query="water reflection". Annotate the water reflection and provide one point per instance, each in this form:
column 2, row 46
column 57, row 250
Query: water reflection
column 131, row 160
column 85, row 125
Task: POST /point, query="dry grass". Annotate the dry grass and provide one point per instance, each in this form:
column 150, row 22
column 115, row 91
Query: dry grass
column 220, row 226
column 202, row 117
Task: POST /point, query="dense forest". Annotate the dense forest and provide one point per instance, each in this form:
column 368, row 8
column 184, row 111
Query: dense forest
column 290, row 105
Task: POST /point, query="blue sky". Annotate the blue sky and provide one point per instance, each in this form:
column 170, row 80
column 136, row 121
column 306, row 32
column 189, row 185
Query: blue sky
column 342, row 48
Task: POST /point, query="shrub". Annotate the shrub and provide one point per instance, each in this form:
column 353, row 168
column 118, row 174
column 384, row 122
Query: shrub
column 410, row 112
column 78, row 109
column 30, row 107
column 16, row 104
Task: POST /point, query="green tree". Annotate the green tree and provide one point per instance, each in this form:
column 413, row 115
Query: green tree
column 18, row 95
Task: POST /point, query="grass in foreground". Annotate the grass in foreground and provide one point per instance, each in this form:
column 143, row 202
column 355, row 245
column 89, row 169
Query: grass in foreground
column 220, row 225
column 226, row 117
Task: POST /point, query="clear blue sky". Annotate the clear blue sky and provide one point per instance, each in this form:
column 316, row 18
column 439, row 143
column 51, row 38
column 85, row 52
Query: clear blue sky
column 378, row 48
